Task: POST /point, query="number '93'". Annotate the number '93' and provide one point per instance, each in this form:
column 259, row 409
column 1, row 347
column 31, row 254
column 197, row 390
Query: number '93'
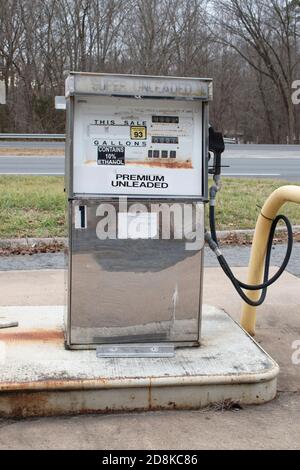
column 178, row 459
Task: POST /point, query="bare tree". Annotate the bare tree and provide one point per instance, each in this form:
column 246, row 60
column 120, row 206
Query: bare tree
column 249, row 47
column 149, row 41
column 265, row 35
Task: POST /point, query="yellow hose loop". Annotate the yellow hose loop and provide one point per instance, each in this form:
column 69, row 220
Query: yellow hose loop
column 275, row 201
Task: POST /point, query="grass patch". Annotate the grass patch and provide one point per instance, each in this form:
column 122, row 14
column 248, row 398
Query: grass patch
column 239, row 201
column 34, row 206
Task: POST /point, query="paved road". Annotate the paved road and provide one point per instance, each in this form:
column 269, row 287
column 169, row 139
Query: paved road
column 45, row 165
column 262, row 167
column 265, row 161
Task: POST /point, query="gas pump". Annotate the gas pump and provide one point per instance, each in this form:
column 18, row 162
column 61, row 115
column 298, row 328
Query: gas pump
column 136, row 181
column 137, row 165
column 137, row 152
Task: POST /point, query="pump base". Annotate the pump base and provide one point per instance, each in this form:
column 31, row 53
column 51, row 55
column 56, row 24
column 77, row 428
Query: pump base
column 40, row 378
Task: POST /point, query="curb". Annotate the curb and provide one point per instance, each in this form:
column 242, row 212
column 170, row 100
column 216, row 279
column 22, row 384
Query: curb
column 250, row 232
column 7, row 243
column 62, row 242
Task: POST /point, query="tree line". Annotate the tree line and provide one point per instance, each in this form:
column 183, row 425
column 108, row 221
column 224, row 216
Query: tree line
column 251, row 49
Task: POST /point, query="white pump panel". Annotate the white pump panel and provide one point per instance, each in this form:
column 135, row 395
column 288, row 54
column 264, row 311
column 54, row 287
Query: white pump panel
column 131, row 146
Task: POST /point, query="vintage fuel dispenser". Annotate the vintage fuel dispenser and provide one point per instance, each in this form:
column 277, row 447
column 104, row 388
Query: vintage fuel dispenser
column 137, row 167
column 137, row 153
column 136, row 181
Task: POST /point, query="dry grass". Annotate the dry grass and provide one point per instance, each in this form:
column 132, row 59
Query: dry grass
column 34, row 206
column 239, row 201
column 25, row 152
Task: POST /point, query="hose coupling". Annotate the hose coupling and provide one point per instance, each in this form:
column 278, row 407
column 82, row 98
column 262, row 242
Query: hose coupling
column 212, row 245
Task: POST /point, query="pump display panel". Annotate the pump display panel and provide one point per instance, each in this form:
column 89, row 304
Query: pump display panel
column 129, row 146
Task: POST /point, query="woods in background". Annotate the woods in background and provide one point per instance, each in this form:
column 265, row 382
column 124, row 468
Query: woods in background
column 251, row 48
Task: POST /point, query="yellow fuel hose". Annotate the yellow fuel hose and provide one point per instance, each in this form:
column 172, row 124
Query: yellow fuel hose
column 280, row 196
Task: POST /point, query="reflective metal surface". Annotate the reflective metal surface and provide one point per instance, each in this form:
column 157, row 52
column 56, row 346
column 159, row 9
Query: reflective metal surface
column 127, row 290
column 136, row 350
column 138, row 85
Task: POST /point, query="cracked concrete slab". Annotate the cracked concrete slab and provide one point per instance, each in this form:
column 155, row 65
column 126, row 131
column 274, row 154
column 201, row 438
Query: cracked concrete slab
column 274, row 425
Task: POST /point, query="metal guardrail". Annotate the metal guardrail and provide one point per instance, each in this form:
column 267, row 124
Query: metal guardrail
column 32, row 136
column 227, row 140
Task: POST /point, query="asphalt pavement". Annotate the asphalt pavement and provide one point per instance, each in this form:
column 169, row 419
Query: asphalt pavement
column 237, row 256
column 35, row 165
column 256, row 161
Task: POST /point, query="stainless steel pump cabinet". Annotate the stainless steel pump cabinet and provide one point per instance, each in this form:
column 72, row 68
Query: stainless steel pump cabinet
column 136, row 185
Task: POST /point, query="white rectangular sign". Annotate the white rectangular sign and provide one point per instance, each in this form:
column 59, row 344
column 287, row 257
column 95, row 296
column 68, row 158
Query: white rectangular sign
column 127, row 146
column 133, row 226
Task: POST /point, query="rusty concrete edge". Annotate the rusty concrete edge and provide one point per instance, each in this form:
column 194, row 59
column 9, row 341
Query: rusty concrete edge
column 37, row 242
column 45, row 404
column 175, row 381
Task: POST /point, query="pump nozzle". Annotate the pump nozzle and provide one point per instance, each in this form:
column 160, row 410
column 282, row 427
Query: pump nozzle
column 217, row 146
